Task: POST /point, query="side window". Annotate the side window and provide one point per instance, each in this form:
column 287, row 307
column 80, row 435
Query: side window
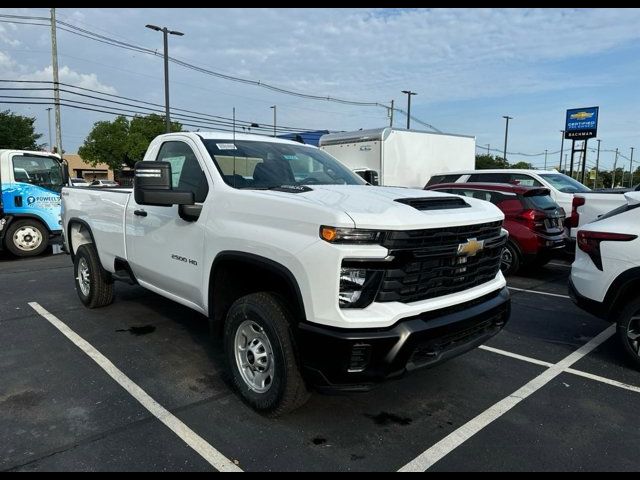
column 524, row 180
column 489, row 178
column 437, row 179
column 186, row 173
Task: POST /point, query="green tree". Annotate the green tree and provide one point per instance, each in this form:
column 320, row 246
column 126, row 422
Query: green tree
column 17, row 132
column 122, row 141
column 485, row 161
column 522, row 166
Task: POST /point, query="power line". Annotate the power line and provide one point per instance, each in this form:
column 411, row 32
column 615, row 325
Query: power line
column 215, row 118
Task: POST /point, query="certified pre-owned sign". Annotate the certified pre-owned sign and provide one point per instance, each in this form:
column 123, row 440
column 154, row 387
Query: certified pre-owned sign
column 582, row 123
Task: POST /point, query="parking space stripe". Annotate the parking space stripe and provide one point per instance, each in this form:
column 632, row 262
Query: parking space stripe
column 559, row 264
column 469, row 429
column 580, row 373
column 608, row 381
column 540, row 293
column 192, row 439
column 515, row 355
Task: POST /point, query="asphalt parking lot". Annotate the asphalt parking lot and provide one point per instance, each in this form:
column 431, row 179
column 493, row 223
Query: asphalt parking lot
column 552, row 392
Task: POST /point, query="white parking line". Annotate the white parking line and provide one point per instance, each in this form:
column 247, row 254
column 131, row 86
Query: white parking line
column 469, row 429
column 580, row 373
column 515, row 355
column 192, row 439
column 565, row 265
column 539, row 293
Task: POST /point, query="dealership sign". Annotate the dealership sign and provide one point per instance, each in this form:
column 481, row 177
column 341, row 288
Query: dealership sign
column 582, row 123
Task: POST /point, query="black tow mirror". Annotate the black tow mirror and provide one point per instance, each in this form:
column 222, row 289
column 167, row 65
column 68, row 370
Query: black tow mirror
column 152, row 186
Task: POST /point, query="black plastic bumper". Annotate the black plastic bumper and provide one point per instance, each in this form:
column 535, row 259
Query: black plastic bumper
column 356, row 360
column 593, row 307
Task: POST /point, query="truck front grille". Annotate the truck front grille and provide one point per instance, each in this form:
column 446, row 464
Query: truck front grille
column 427, row 263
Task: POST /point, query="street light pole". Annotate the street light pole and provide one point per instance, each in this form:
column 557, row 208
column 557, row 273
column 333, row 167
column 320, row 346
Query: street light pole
column 165, row 32
column 631, row 169
column 545, row 159
column 561, row 148
column 56, row 82
column 506, row 134
column 597, row 164
column 409, row 94
column 274, row 119
column 49, row 118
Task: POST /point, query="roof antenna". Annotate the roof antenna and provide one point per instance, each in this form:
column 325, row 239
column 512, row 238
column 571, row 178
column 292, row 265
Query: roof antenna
column 234, row 147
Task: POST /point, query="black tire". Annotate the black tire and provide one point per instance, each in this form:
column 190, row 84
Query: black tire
column 266, row 314
column 98, row 292
column 510, row 263
column 628, row 327
column 26, row 238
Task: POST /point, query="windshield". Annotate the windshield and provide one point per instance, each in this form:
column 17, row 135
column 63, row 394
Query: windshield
column 38, row 170
column 564, row 183
column 542, row 202
column 262, row 165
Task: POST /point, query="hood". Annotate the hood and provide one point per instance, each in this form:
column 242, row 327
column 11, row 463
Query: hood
column 377, row 207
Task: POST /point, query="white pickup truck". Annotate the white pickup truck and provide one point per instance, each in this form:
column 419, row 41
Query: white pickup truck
column 312, row 277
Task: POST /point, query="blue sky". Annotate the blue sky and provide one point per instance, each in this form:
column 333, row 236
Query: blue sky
column 469, row 67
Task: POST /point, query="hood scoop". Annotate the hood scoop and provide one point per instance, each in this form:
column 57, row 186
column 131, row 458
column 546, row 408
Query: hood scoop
column 437, row 203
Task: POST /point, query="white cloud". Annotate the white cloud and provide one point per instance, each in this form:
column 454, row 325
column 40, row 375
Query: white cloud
column 9, row 37
column 66, row 75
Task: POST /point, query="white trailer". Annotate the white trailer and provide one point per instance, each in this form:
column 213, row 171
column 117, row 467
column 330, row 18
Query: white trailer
column 405, row 158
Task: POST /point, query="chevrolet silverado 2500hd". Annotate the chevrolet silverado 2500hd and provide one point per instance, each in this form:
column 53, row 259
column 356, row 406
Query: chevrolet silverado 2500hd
column 311, row 276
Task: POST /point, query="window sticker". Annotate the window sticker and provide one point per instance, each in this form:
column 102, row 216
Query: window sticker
column 226, row 146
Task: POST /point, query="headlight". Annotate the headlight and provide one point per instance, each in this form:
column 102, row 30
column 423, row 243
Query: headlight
column 358, row 287
column 349, row 235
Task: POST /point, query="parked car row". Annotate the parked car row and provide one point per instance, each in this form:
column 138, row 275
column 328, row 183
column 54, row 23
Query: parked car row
column 605, row 275
column 81, row 182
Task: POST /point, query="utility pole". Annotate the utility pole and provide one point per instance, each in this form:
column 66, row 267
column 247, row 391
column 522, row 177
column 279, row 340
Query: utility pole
column 488, row 148
column 597, row 164
column 49, row 118
column 391, row 115
column 506, row 134
column 613, row 178
column 409, row 95
column 545, row 158
column 56, row 82
column 165, row 32
column 561, row 147
column 274, row 119
column 631, row 169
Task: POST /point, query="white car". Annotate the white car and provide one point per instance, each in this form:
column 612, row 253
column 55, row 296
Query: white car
column 104, row 183
column 568, row 193
column 605, row 277
column 79, row 182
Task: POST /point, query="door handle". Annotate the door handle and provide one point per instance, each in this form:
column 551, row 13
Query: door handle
column 140, row 213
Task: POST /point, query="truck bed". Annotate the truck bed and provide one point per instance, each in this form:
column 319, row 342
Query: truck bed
column 104, row 210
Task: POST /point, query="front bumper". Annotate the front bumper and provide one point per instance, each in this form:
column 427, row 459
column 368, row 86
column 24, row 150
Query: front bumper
column 356, row 360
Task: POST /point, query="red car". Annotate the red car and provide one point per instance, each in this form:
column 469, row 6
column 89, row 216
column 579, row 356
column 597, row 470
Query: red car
column 533, row 219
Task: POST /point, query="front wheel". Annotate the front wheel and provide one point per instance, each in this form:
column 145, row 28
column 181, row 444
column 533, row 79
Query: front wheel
column 629, row 331
column 26, row 238
column 260, row 354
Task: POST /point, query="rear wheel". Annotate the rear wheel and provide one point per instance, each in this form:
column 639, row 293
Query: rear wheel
column 26, row 238
column 510, row 260
column 629, row 331
column 93, row 283
column 260, row 354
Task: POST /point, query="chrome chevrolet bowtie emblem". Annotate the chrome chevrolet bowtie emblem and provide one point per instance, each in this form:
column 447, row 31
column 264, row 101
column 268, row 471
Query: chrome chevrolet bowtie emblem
column 471, row 247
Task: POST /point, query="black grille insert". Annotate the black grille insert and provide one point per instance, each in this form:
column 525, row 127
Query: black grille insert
column 427, row 264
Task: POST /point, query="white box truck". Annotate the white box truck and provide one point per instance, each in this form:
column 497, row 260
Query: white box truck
column 403, row 158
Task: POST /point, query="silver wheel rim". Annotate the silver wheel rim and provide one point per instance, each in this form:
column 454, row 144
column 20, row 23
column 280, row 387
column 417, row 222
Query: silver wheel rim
column 506, row 259
column 27, row 238
column 633, row 333
column 84, row 281
column 254, row 356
